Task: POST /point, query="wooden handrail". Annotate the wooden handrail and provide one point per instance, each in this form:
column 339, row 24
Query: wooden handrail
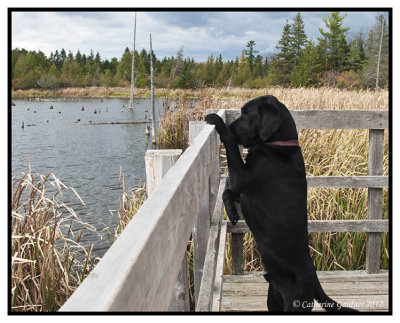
column 139, row 271
column 330, row 119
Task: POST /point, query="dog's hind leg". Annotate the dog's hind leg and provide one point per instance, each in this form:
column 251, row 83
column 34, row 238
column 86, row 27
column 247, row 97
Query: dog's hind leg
column 274, row 300
column 300, row 297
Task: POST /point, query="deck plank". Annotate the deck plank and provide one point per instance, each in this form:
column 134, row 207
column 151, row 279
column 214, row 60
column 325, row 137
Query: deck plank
column 355, row 289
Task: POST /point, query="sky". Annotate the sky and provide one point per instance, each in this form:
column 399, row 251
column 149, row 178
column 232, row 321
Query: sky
column 201, row 33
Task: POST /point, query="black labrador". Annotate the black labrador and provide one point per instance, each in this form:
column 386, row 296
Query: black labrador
column 271, row 188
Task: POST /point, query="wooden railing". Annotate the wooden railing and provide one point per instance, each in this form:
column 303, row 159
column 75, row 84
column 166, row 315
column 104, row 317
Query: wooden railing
column 139, row 272
column 144, row 270
column 376, row 122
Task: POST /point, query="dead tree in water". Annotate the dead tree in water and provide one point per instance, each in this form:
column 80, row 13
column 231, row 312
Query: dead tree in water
column 379, row 55
column 153, row 121
column 133, row 67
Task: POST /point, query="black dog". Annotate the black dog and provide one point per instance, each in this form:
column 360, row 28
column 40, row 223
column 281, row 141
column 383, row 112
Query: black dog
column 271, row 188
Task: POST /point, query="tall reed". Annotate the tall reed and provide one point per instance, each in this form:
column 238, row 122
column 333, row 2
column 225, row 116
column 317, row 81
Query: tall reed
column 48, row 262
column 326, row 153
column 129, row 202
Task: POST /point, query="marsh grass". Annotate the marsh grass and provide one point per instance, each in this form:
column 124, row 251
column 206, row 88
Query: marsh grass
column 326, row 152
column 130, row 202
column 48, row 262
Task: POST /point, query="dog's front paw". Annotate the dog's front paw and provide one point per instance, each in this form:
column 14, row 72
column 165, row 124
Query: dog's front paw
column 214, row 119
column 234, row 218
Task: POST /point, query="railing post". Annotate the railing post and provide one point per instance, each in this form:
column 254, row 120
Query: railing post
column 237, row 245
column 237, row 253
column 375, row 167
column 158, row 162
column 201, row 229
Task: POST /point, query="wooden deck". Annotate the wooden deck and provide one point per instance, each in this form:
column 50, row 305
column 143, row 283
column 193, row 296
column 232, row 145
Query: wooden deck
column 185, row 200
column 356, row 289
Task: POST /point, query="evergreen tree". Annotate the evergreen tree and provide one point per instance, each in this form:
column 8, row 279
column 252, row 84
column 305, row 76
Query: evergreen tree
column 219, row 64
column 258, row 68
column 242, row 71
column 20, row 68
column 283, row 62
column 97, row 59
column 125, row 66
column 309, row 68
column 357, row 56
column 63, row 55
column 185, row 79
column 78, row 58
column 250, row 58
column 290, row 48
column 31, row 78
column 298, row 37
column 84, row 59
column 297, row 62
column 335, row 38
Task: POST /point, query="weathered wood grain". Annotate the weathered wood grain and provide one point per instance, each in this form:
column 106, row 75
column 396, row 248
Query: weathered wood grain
column 326, row 276
column 375, row 167
column 348, row 226
column 328, row 226
column 356, row 289
column 363, row 303
column 180, row 300
column 347, row 181
column 335, row 288
column 194, row 129
column 201, row 228
column 219, row 271
column 343, row 119
column 158, row 163
column 331, row 119
column 204, row 302
column 237, row 252
column 139, row 271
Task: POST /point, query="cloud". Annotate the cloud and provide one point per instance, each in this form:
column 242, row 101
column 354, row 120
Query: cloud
column 201, row 33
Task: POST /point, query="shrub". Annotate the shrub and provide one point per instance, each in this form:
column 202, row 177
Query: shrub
column 348, row 80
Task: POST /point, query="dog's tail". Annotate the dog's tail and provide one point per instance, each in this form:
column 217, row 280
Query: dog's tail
column 327, row 303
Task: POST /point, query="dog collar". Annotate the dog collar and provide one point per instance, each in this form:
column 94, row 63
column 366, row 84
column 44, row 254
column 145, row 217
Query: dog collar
column 284, row 143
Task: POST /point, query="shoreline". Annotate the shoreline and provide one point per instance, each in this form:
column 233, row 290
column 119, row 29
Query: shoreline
column 75, row 92
column 110, row 92
column 311, row 98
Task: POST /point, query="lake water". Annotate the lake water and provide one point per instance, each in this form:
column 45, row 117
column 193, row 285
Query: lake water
column 87, row 157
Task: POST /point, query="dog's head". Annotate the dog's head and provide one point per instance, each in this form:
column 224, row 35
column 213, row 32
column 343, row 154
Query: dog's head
column 263, row 119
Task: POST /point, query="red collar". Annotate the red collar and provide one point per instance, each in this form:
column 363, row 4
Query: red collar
column 284, row 143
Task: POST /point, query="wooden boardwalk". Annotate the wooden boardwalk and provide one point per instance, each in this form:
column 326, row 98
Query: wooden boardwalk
column 146, row 267
column 356, row 289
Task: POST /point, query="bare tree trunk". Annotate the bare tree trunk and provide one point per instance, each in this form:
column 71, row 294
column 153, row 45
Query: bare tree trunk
column 379, row 57
column 153, row 119
column 133, row 67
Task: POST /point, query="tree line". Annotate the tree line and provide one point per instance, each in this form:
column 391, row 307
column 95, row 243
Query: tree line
column 333, row 59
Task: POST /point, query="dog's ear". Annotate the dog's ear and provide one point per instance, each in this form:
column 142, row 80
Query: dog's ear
column 270, row 121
